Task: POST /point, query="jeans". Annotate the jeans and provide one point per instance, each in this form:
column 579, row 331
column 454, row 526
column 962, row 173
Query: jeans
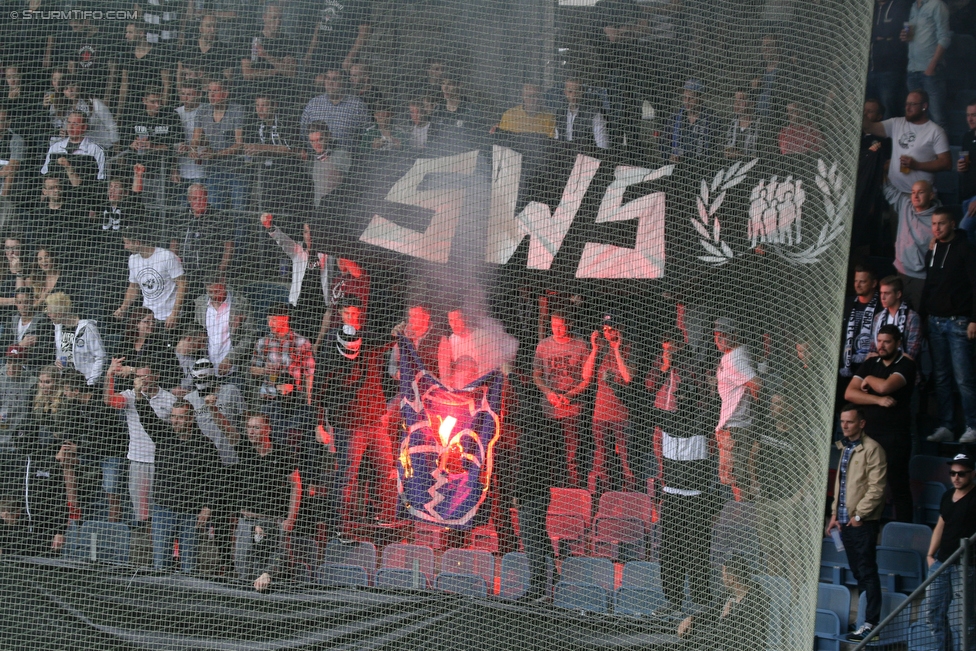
column 341, row 438
column 168, row 526
column 862, row 552
column 140, row 489
column 952, row 352
column 935, row 86
column 943, row 605
column 889, row 89
column 686, row 539
column 538, row 549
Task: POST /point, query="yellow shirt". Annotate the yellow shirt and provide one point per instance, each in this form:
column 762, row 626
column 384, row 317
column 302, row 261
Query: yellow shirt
column 516, row 120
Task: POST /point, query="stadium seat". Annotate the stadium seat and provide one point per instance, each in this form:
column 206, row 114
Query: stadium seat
column 402, row 556
column 640, row 590
column 102, row 542
column 827, row 631
column 571, row 501
column 834, row 567
column 900, row 569
column 362, row 554
column 637, row 602
column 598, row 571
column 515, row 575
column 566, row 528
column 896, row 632
column 568, row 518
column 617, row 504
column 928, row 503
column 581, row 597
column 907, row 536
column 470, row 585
column 835, row 598
column 618, row 538
column 469, row 561
column 779, row 591
column 304, row 552
column 401, row 579
column 641, row 574
column 342, row 575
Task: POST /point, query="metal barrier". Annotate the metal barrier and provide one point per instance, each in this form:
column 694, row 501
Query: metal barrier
column 963, row 555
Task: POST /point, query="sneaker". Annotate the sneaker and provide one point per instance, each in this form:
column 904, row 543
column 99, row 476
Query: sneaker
column 942, row 435
column 861, row 633
column 969, row 436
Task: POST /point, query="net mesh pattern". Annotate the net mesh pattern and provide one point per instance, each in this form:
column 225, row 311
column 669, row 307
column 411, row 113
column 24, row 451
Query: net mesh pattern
column 384, row 324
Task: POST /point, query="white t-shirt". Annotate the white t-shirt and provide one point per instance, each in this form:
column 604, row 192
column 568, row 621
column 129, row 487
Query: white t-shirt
column 735, row 370
column 156, row 275
column 923, row 142
column 218, row 331
column 141, row 447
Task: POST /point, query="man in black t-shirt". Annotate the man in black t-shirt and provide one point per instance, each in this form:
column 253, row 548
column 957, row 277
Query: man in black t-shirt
column 957, row 520
column 341, row 31
column 883, row 385
column 92, row 55
column 152, row 135
column 265, row 482
column 271, row 62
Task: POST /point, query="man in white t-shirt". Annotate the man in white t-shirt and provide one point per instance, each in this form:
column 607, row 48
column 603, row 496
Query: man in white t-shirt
column 488, row 345
column 157, row 273
column 919, row 146
column 142, row 449
column 738, row 387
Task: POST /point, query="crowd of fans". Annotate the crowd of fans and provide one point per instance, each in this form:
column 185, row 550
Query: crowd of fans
column 140, row 382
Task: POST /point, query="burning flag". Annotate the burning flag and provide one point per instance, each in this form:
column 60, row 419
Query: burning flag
column 447, row 439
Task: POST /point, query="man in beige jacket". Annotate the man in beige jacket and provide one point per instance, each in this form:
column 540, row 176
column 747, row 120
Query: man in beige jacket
column 858, row 503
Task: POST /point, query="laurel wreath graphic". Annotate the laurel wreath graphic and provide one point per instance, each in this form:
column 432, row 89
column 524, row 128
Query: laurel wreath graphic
column 836, row 202
column 708, row 227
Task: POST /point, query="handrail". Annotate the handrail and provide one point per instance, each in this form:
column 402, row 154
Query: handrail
column 920, row 590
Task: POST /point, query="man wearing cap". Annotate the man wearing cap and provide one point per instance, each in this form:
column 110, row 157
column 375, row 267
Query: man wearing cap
column 957, row 520
column 284, row 363
column 738, row 387
column 858, row 502
column 883, row 387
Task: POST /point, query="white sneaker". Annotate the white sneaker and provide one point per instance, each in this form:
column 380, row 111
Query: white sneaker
column 969, row 436
column 942, row 435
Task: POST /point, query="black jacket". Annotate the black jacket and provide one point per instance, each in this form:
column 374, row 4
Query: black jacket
column 950, row 282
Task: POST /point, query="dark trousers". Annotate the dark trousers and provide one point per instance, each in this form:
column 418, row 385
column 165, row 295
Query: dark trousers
column 686, row 540
column 898, row 452
column 532, row 527
column 861, row 545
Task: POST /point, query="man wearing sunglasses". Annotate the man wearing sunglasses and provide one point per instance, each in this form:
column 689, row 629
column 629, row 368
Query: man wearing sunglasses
column 957, row 520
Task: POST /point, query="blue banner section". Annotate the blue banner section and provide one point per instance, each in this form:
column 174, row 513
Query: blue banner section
column 447, row 439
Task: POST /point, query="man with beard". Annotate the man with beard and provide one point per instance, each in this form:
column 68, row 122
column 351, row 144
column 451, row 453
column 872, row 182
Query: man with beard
column 883, row 388
column 920, row 146
column 859, row 317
